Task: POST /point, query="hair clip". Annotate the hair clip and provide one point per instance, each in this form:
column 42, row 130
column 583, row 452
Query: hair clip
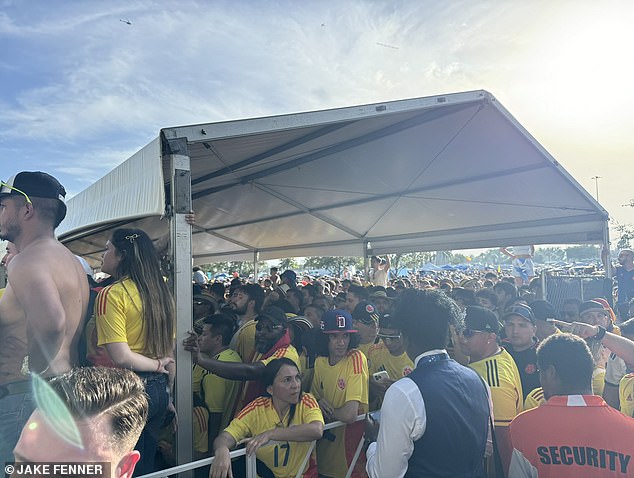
column 132, row 237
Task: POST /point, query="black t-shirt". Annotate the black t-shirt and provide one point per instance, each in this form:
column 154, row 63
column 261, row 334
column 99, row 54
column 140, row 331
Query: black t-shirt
column 526, row 362
column 625, row 284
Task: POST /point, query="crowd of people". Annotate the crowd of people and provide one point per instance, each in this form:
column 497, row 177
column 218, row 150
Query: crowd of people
column 472, row 378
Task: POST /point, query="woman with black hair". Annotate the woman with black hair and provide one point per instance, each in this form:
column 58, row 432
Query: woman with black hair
column 135, row 323
column 285, row 415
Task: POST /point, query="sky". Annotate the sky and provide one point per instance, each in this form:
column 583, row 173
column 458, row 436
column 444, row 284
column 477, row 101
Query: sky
column 85, row 84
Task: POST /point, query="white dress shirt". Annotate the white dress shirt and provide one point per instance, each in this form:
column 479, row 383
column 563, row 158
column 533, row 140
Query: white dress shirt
column 403, row 421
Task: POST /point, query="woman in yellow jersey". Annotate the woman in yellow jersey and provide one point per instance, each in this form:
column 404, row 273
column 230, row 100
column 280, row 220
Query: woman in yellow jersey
column 285, row 416
column 135, row 324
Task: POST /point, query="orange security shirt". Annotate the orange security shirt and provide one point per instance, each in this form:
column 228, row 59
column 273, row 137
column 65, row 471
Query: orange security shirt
column 575, row 436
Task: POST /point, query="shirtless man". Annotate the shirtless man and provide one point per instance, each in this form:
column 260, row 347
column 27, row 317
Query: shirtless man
column 46, row 296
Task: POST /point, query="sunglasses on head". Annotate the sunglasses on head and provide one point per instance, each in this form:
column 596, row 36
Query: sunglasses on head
column 26, row 196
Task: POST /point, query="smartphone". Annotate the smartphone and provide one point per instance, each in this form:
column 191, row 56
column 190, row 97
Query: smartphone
column 375, row 416
column 379, row 375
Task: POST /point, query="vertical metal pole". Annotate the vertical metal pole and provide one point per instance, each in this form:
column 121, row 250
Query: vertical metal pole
column 256, row 256
column 251, row 466
column 366, row 262
column 181, row 248
column 606, row 248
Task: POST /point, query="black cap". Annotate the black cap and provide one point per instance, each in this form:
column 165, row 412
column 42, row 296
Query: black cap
column 524, row 311
column 365, row 313
column 274, row 314
column 591, row 304
column 543, row 310
column 38, row 185
column 479, row 318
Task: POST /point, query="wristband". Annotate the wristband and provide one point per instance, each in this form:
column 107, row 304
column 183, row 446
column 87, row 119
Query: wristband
column 600, row 334
column 158, row 366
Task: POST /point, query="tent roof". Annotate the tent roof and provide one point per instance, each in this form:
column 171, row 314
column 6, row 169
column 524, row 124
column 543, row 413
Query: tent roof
column 437, row 173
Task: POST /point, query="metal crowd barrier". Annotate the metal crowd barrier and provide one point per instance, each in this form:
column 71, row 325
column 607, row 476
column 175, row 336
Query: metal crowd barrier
column 251, row 460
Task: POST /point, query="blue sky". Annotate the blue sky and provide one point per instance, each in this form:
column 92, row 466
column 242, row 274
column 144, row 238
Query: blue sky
column 81, row 90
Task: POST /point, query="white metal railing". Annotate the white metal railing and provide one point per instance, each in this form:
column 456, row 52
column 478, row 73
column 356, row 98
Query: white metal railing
column 251, row 460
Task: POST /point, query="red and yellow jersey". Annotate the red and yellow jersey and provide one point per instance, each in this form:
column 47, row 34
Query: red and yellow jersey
column 253, row 388
column 118, row 315
column 534, row 399
column 340, row 383
column 283, row 458
column 572, row 436
column 626, row 394
column 501, row 373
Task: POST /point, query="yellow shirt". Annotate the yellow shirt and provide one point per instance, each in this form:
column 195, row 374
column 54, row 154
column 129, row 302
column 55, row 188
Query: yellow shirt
column 501, row 373
column 118, row 316
column 534, row 399
column 283, row 458
column 253, row 388
column 598, row 381
column 340, row 383
column 397, row 367
column 380, row 358
column 212, row 394
column 219, row 394
column 245, row 341
column 626, row 394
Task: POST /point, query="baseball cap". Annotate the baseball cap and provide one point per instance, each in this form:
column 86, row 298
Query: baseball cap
column 337, row 320
column 543, row 310
column 522, row 310
column 381, row 294
column 479, row 318
column 274, row 314
column 590, row 305
column 365, row 313
column 35, row 184
column 289, row 274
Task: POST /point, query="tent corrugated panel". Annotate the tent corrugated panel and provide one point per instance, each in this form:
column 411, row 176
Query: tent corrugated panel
column 444, row 172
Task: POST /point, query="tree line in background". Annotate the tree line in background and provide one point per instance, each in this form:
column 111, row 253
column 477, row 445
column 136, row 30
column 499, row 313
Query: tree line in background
column 411, row 260
column 414, row 260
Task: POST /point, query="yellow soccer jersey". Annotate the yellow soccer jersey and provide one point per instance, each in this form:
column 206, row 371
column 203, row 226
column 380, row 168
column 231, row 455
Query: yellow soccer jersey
column 500, row 372
column 626, row 394
column 598, row 381
column 118, row 315
column 283, row 458
column 245, row 341
column 219, row 394
column 252, row 388
column 340, row 383
column 197, row 377
column 397, row 367
column 200, row 417
column 365, row 348
column 534, row 399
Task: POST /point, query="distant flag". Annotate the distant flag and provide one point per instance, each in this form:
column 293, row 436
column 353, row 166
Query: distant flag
column 499, row 268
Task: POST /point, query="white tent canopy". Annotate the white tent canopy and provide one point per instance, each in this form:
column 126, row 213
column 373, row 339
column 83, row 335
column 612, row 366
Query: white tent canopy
column 437, row 173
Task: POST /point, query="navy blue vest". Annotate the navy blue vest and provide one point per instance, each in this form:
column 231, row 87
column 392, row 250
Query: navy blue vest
column 457, row 409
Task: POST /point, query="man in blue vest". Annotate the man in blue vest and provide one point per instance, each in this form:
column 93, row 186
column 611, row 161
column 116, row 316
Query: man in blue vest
column 435, row 421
